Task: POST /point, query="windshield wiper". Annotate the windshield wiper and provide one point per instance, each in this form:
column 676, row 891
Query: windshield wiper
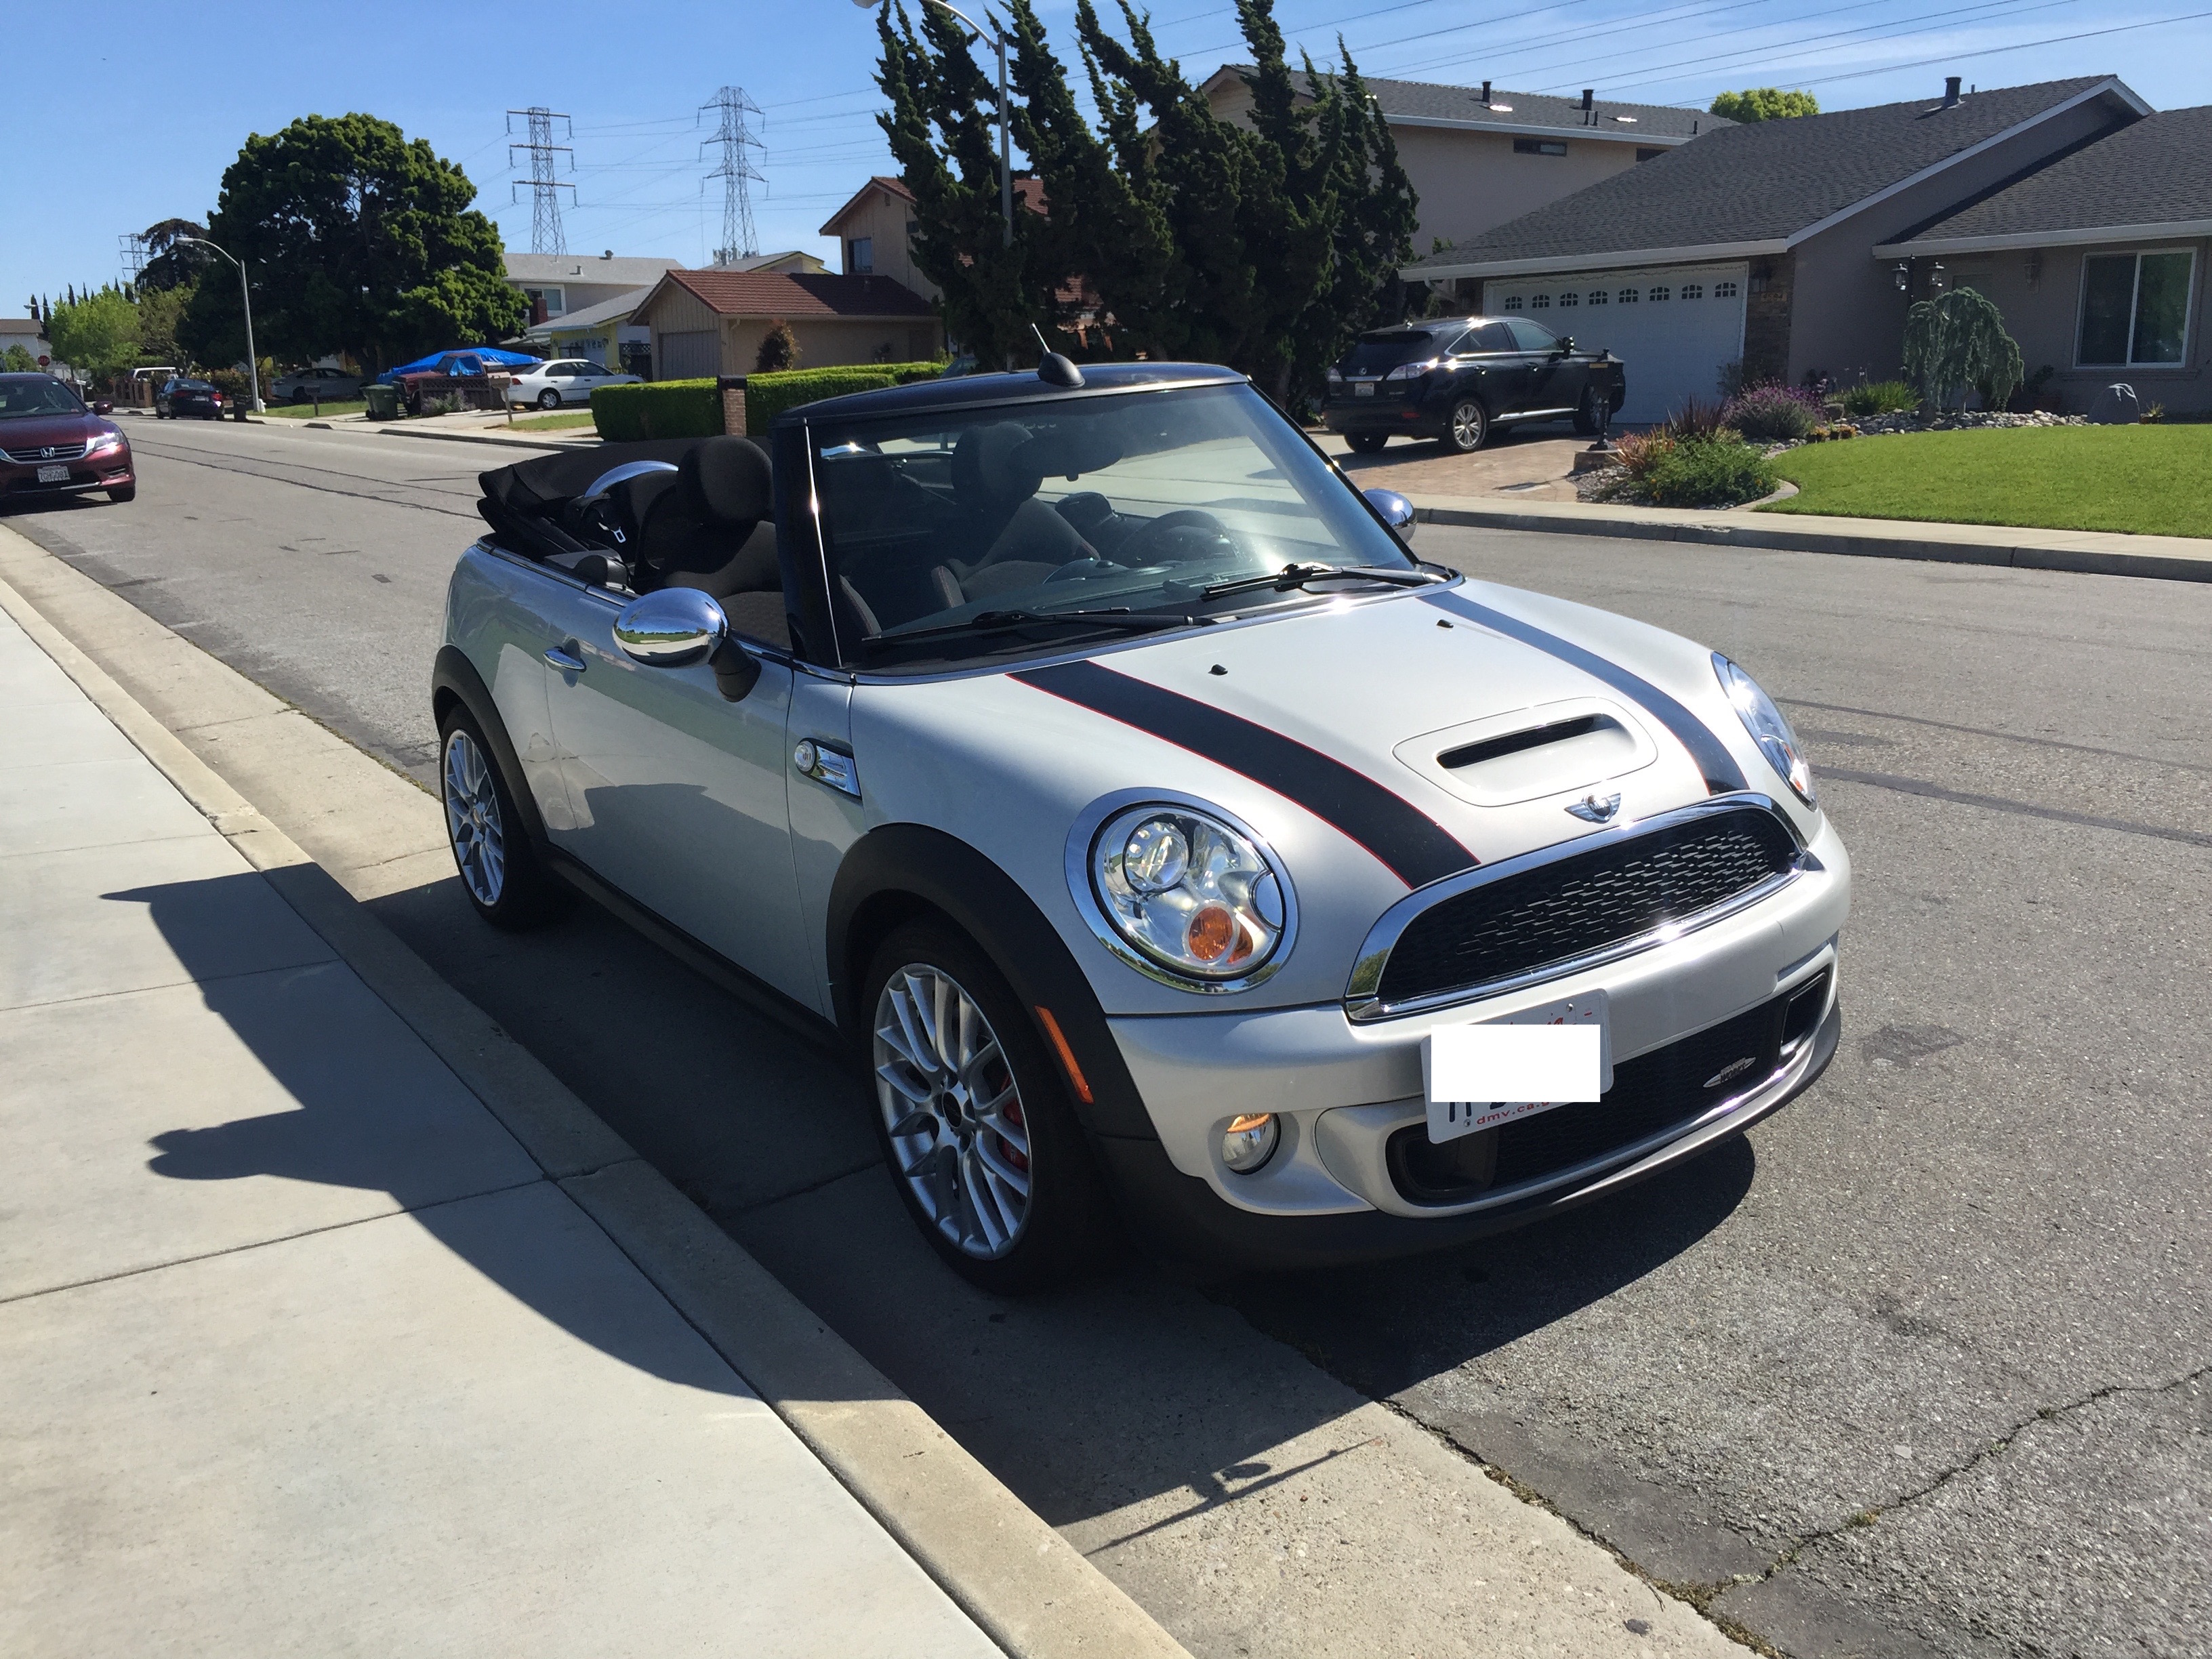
column 993, row 622
column 1297, row 575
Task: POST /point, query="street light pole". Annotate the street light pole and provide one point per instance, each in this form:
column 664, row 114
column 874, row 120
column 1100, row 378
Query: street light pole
column 245, row 298
column 998, row 40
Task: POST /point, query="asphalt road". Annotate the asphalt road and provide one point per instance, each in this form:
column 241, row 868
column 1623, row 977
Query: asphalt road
column 1922, row 1365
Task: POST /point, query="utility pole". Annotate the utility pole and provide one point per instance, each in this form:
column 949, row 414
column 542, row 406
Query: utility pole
column 131, row 251
column 736, row 172
column 545, row 187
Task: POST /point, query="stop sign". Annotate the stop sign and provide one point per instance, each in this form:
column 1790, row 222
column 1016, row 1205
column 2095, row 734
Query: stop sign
column 43, row 362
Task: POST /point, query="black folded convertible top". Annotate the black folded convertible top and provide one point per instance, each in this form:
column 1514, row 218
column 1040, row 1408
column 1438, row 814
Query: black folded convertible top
column 522, row 502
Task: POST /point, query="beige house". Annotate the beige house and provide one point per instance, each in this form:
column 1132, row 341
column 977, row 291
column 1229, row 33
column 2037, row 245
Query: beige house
column 1478, row 157
column 712, row 322
column 873, row 230
column 558, row 283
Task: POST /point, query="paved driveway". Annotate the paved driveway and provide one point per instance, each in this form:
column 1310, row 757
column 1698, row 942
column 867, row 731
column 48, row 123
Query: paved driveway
column 1527, row 466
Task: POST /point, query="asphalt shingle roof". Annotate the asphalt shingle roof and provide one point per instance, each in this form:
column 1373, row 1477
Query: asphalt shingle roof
column 535, row 268
column 1533, row 111
column 1758, row 181
column 2157, row 170
column 800, row 294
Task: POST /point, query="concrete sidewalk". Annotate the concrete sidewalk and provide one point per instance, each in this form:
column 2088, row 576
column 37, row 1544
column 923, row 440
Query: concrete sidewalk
column 306, row 1352
column 2088, row 552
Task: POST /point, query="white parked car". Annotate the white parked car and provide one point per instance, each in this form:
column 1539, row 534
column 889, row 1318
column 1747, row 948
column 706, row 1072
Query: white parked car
column 565, row 380
column 301, row 385
column 1086, row 758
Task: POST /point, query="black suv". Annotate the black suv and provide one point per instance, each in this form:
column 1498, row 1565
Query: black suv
column 1457, row 378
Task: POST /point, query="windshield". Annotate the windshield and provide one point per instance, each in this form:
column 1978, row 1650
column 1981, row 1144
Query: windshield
column 36, row 394
column 1135, row 502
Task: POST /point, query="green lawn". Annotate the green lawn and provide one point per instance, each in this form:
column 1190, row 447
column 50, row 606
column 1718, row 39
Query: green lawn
column 2149, row 480
column 556, row 423
column 306, row 411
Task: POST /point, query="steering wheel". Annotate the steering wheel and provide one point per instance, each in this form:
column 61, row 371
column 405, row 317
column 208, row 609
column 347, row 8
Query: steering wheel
column 1183, row 537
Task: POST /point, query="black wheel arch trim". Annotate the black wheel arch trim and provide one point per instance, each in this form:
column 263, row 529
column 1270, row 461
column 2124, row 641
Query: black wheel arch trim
column 899, row 868
column 453, row 675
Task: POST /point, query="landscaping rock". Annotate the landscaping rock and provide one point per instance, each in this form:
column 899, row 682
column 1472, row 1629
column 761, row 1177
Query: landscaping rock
column 1958, row 419
column 2115, row 405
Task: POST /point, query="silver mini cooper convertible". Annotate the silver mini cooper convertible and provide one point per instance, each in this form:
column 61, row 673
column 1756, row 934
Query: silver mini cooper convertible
column 1082, row 753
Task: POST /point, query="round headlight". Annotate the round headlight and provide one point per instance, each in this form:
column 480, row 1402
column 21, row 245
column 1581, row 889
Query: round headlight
column 1191, row 894
column 1768, row 729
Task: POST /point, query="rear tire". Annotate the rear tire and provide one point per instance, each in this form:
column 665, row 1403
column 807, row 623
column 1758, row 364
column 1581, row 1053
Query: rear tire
column 123, row 493
column 1468, row 429
column 1368, row 443
column 948, row 1043
column 499, row 866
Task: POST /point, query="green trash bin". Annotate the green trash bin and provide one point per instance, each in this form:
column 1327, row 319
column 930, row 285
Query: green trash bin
column 383, row 401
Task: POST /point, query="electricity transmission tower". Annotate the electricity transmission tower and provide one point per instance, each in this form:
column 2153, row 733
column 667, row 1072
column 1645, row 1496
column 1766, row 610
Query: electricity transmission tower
column 545, row 188
column 736, row 172
column 131, row 250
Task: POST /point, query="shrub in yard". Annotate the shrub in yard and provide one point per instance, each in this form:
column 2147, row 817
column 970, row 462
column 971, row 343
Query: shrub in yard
column 779, row 350
column 1957, row 340
column 1696, row 418
column 1880, row 397
column 1640, row 451
column 659, row 409
column 1773, row 414
column 767, row 396
column 1709, row 472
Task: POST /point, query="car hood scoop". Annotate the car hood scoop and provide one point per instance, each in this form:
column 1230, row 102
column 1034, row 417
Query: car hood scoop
column 1526, row 753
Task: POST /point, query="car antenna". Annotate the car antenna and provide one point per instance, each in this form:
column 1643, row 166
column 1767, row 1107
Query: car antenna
column 1054, row 369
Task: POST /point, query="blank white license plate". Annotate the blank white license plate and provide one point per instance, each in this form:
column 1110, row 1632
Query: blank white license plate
column 1363, row 389
column 1558, row 1055
column 53, row 475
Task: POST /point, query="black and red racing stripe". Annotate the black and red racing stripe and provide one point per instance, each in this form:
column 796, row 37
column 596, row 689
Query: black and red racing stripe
column 1413, row 846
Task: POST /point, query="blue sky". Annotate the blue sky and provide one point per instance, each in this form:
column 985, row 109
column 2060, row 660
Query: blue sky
column 189, row 83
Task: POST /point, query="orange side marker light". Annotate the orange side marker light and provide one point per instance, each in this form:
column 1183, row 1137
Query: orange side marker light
column 1066, row 1054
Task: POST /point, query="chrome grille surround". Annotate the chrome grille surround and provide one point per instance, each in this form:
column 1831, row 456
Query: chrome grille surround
column 1363, row 1001
column 38, row 453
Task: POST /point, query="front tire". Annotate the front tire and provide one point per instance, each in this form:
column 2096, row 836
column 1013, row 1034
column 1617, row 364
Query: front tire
column 973, row 1116
column 500, row 868
column 123, row 493
column 1468, row 427
column 1586, row 412
column 548, row 398
column 1367, row 443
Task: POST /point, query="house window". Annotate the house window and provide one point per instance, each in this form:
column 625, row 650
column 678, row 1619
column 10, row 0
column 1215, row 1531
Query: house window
column 1659, row 293
column 1629, row 296
column 1724, row 290
column 1568, row 300
column 2134, row 308
column 1541, row 302
column 1692, row 291
column 859, row 256
column 1513, row 304
column 1539, row 147
column 549, row 297
column 1597, row 296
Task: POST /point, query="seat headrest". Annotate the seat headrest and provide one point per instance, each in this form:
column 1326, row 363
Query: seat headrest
column 730, row 478
column 990, row 469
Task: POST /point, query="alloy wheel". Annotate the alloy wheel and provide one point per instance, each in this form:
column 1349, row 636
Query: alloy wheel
column 952, row 1110
column 472, row 819
column 1469, row 425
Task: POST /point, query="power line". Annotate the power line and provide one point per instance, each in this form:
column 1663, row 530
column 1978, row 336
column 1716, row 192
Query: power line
column 2018, row 45
column 545, row 187
column 737, row 173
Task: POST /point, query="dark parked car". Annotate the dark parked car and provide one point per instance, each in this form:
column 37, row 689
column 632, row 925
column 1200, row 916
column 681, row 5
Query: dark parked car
column 180, row 397
column 1461, row 378
column 51, row 444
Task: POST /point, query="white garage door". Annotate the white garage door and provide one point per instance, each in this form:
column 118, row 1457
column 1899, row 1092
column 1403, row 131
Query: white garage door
column 1673, row 327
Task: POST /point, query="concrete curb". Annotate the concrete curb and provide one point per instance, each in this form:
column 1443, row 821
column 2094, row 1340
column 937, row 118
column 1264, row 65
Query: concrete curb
column 1990, row 545
column 1029, row 1589
column 483, row 438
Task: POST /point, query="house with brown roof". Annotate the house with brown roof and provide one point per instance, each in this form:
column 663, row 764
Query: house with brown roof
column 875, row 230
column 712, row 321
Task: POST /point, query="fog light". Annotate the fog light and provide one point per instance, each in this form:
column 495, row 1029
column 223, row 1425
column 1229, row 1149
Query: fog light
column 1249, row 1141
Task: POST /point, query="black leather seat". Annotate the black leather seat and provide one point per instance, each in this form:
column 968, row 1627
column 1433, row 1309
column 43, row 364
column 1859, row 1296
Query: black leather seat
column 697, row 530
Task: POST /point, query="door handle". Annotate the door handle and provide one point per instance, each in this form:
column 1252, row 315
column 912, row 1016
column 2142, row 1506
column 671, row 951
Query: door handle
column 561, row 656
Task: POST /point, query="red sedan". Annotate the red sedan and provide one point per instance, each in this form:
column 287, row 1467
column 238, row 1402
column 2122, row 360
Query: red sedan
column 51, row 444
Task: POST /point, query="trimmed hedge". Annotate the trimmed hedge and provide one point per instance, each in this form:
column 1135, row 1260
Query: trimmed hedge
column 767, row 396
column 660, row 408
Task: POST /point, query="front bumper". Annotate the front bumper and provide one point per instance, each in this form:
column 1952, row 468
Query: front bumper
column 111, row 471
column 1344, row 1090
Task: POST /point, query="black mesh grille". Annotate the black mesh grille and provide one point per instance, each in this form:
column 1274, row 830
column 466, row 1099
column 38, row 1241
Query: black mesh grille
column 1583, row 903
column 1650, row 1094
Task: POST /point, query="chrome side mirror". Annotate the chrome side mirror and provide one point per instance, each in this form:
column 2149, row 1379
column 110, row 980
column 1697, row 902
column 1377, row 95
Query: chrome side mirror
column 1395, row 511
column 671, row 628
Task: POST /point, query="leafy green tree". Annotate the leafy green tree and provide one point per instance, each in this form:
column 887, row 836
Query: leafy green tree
column 1958, row 340
column 1264, row 245
column 18, row 359
column 779, row 348
column 98, row 334
column 1764, row 103
column 171, row 261
column 159, row 311
column 355, row 238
